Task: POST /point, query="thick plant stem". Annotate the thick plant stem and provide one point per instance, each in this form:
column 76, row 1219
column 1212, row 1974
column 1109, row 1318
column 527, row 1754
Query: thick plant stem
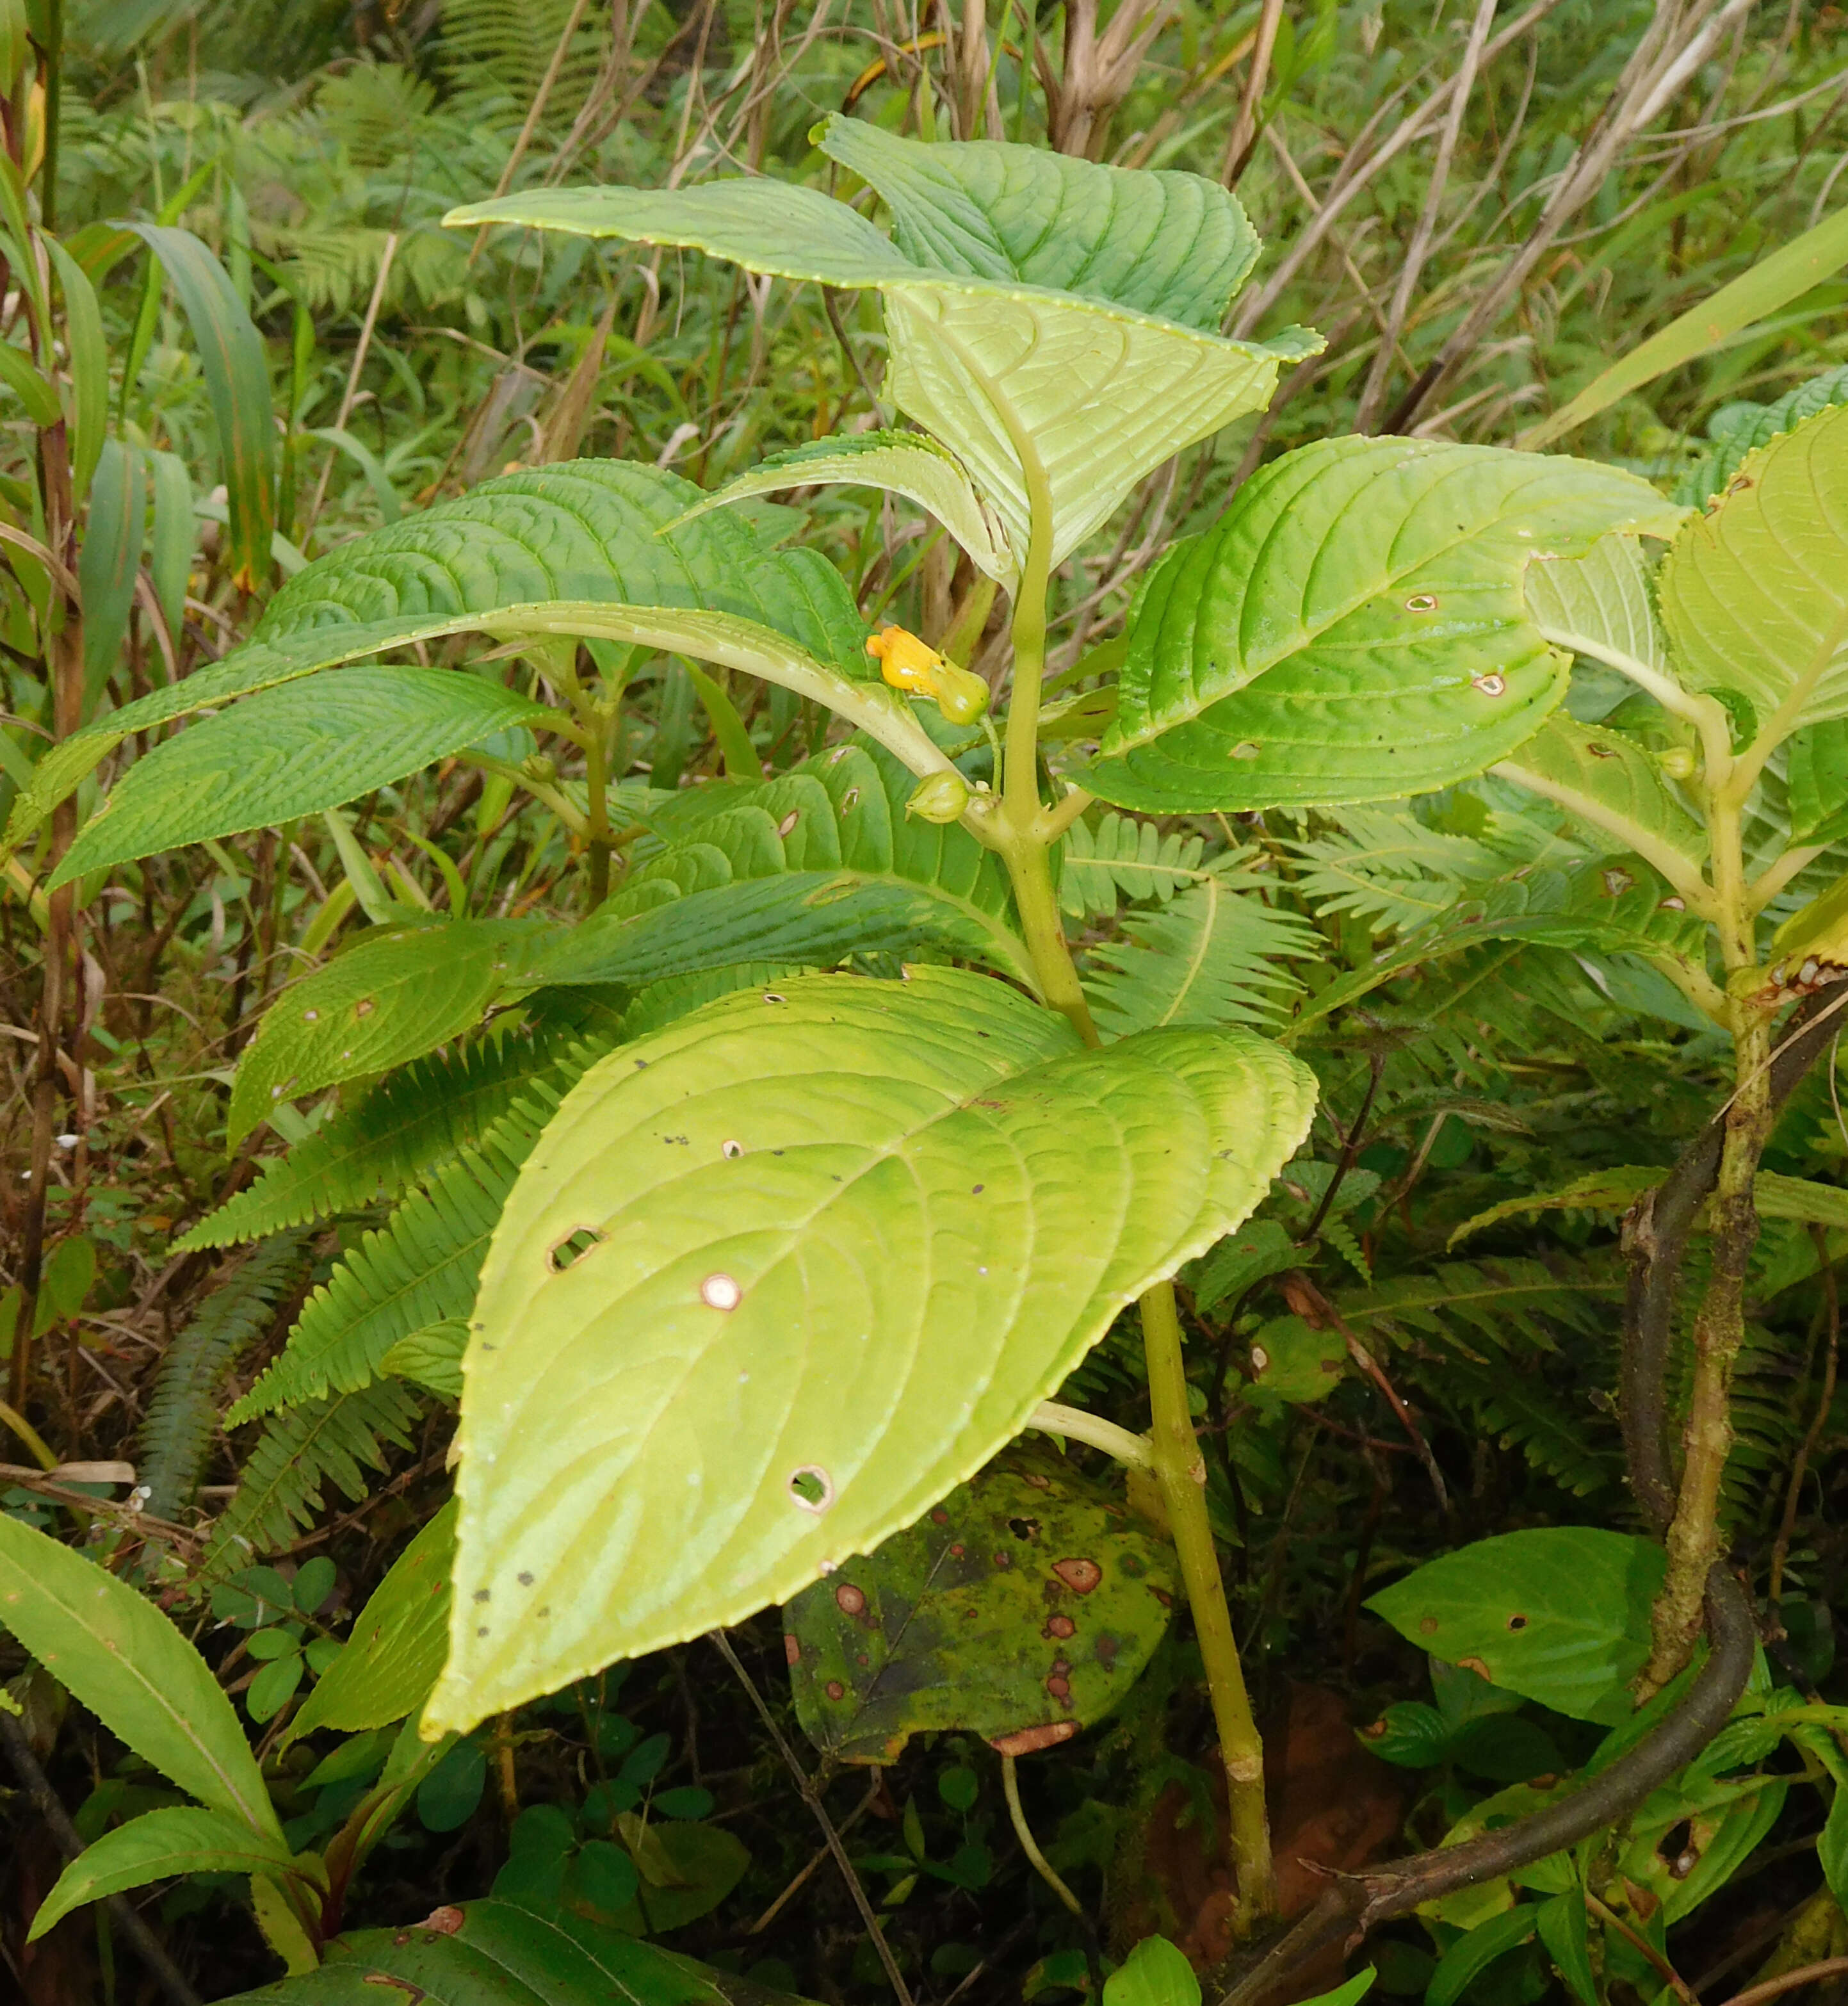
column 1693, row 1537
column 1180, row 1470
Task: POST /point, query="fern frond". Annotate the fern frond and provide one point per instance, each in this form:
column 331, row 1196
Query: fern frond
column 1559, row 1437
column 331, row 1441
column 183, row 1411
column 1210, row 956
column 398, row 1135
column 494, row 57
column 1480, row 1308
column 1123, row 855
column 421, row 1267
column 1387, row 867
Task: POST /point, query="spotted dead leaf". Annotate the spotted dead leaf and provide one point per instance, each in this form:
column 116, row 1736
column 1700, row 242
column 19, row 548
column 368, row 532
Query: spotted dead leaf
column 1022, row 1608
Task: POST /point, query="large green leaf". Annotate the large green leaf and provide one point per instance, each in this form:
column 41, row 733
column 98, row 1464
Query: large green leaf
column 1816, row 772
column 727, row 1295
column 579, row 550
column 1754, row 592
column 1028, row 299
column 289, row 751
column 907, row 463
column 1739, row 430
column 1353, row 628
column 1557, row 1613
column 495, row 1953
column 1022, row 1608
column 390, row 1660
column 389, row 998
column 1175, row 245
column 124, row 1660
column 158, row 1845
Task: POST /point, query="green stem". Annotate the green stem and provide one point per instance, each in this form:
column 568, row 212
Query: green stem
column 1180, row 1468
column 596, row 775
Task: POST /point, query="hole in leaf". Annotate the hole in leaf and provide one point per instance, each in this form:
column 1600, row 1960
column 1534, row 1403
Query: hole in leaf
column 731, row 1149
column 1517, row 1621
column 573, row 1247
column 1421, row 602
column 1024, row 1528
column 1673, row 1846
column 812, row 1488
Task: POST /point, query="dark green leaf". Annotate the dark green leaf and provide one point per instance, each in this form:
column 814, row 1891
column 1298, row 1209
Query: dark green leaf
column 289, row 751
column 1560, row 1614
column 492, row 1953
column 1021, row 1608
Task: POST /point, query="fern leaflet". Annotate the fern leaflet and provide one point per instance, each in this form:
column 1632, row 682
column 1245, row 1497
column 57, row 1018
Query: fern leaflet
column 397, row 1135
column 183, row 1411
column 1210, row 956
column 1125, row 855
column 335, row 1439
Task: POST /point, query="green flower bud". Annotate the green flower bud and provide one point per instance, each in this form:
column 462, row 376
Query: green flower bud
column 961, row 695
column 940, row 797
column 1679, row 763
column 539, row 766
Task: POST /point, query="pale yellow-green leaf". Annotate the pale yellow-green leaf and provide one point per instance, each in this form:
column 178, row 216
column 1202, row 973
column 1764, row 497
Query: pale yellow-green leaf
column 1598, row 604
column 777, row 1279
column 1613, row 785
column 906, row 463
column 1104, row 395
column 1754, row 593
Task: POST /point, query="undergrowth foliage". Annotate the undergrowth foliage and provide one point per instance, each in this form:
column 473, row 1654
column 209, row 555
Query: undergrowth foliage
column 820, row 924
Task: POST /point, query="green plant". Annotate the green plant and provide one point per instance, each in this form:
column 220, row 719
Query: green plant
column 1302, row 652
column 1369, row 619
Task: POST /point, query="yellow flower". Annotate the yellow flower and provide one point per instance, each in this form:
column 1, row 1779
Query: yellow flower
column 908, row 663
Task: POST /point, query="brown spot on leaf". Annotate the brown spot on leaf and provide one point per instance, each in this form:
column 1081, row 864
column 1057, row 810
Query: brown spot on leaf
column 1004, row 1559
column 1061, row 1689
column 835, row 1690
column 850, row 1600
column 1427, row 1626
column 1030, row 1741
column 444, row 1921
column 1060, row 1626
column 1478, row 1666
column 939, row 1517
column 957, row 1551
column 1081, row 1576
column 792, row 1648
